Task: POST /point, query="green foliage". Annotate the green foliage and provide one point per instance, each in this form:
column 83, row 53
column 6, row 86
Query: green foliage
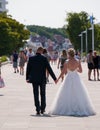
column 97, row 37
column 12, row 34
column 3, row 59
column 77, row 22
column 45, row 31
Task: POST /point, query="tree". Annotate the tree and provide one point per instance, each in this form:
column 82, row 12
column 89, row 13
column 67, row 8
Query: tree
column 46, row 31
column 76, row 23
column 97, row 37
column 12, row 34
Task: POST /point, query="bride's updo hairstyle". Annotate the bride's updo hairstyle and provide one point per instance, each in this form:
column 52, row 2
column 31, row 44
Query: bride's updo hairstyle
column 71, row 52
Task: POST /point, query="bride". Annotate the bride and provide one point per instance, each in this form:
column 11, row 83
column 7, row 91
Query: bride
column 72, row 98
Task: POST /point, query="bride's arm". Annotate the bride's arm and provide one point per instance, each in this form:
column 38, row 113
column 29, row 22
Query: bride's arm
column 79, row 67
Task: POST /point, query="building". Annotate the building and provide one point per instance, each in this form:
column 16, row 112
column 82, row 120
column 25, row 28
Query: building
column 3, row 6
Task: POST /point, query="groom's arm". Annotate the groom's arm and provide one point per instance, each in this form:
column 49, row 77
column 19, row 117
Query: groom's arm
column 50, row 71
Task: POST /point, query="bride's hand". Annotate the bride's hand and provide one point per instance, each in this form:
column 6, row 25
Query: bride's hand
column 56, row 81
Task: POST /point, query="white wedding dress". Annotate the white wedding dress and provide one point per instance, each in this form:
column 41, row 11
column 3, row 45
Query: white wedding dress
column 72, row 98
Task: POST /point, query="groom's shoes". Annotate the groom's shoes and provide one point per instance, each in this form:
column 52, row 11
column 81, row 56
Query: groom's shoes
column 42, row 111
column 38, row 113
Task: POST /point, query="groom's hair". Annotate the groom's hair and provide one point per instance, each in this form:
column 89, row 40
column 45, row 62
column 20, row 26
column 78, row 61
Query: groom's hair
column 40, row 49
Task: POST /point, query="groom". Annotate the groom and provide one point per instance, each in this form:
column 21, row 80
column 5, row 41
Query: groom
column 36, row 74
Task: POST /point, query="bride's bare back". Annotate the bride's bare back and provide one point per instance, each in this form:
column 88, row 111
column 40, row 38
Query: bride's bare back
column 73, row 64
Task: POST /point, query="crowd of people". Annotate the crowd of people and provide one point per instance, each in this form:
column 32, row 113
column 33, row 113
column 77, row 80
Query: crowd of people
column 19, row 59
column 38, row 69
column 92, row 58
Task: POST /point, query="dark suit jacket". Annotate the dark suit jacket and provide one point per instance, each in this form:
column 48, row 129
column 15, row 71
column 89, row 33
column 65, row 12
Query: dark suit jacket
column 36, row 69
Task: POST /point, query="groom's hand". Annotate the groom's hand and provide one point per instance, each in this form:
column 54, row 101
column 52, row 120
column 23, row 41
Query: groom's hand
column 27, row 81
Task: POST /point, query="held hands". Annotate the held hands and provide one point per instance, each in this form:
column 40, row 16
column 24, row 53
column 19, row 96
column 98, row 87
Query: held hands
column 56, row 81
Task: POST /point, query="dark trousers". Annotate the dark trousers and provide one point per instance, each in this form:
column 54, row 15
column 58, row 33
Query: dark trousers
column 39, row 89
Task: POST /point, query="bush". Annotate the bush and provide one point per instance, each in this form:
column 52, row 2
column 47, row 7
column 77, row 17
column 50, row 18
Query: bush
column 3, row 59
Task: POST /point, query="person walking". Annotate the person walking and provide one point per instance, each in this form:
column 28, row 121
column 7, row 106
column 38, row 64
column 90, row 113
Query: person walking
column 29, row 54
column 72, row 98
column 22, row 60
column 15, row 61
column 90, row 64
column 36, row 74
column 96, row 65
column 61, row 61
column 45, row 53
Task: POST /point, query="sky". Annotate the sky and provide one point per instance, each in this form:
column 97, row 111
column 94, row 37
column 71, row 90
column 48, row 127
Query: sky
column 50, row 13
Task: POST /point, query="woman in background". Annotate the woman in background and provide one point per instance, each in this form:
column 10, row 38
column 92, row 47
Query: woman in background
column 22, row 60
column 61, row 61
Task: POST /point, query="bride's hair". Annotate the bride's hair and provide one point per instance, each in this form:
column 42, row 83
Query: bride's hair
column 71, row 52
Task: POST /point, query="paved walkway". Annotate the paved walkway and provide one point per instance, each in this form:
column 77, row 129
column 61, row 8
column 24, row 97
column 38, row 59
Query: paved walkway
column 17, row 111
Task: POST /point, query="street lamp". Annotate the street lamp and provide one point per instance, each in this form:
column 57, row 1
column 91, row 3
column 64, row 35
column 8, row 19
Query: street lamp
column 86, row 40
column 92, row 28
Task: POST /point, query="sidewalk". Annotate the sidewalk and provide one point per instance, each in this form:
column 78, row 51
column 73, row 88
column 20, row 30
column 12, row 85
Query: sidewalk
column 17, row 111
